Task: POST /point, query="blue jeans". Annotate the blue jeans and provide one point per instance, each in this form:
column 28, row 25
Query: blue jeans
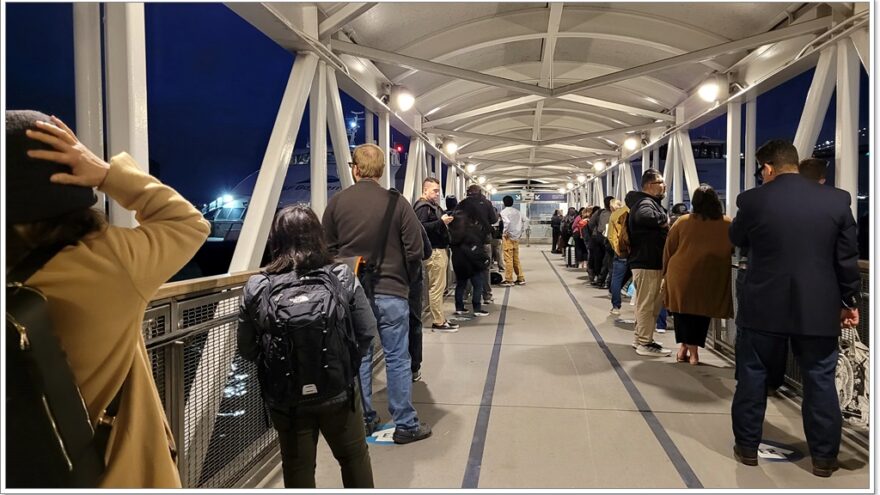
column 757, row 353
column 476, row 281
column 392, row 317
column 618, row 274
column 661, row 318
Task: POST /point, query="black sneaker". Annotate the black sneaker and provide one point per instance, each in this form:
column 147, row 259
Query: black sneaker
column 445, row 327
column 824, row 467
column 481, row 312
column 749, row 457
column 420, row 432
column 416, row 375
column 520, row 282
column 370, row 427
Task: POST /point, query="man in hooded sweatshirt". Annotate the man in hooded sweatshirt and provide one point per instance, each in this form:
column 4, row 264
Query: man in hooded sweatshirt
column 648, row 226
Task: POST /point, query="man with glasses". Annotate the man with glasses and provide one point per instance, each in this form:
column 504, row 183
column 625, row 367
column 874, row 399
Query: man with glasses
column 435, row 222
column 801, row 287
column 648, row 226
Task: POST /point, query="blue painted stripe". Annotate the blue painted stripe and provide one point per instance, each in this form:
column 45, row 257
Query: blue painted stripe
column 681, row 465
column 478, row 442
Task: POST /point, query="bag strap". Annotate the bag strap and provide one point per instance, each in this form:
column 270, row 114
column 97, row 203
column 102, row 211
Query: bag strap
column 378, row 254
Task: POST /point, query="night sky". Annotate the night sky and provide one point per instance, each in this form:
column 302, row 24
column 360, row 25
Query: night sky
column 215, row 83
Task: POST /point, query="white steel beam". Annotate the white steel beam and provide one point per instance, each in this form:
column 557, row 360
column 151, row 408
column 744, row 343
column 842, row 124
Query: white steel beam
column 126, row 82
column 818, row 98
column 655, row 153
column 750, row 145
column 688, row 165
column 698, row 55
column 646, row 159
column 398, row 59
column 515, row 102
column 595, row 102
column 669, row 170
column 349, row 12
column 338, row 134
column 412, row 172
column 88, row 81
column 846, row 154
column 862, row 41
column 598, row 192
column 734, row 140
column 369, row 127
column 451, row 179
column 318, row 140
column 603, row 133
column 486, row 137
column 270, row 180
column 387, row 180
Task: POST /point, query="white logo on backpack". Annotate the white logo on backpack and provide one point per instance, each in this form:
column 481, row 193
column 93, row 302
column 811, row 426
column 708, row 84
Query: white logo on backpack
column 310, row 389
column 300, row 299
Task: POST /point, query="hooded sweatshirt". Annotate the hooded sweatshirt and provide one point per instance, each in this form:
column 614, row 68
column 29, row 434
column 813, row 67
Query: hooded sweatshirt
column 648, row 225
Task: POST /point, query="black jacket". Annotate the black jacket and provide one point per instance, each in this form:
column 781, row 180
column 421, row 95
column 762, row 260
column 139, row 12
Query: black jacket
column 467, row 240
column 429, row 214
column 253, row 315
column 480, row 210
column 803, row 257
column 555, row 221
column 648, row 226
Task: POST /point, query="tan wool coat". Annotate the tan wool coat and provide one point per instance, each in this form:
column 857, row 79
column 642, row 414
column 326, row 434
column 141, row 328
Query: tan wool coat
column 98, row 290
column 696, row 264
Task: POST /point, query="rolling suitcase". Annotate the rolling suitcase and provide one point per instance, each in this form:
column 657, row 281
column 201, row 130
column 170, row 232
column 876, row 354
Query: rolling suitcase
column 569, row 257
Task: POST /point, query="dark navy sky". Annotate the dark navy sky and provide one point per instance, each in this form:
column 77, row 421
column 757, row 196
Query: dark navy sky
column 215, row 83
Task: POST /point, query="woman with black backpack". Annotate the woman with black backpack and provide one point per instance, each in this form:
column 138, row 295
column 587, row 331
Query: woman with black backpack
column 306, row 322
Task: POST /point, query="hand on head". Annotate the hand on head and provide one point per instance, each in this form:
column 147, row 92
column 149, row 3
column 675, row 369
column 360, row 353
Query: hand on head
column 86, row 168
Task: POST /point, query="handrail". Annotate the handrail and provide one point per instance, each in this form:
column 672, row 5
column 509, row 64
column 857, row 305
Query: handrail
column 195, row 285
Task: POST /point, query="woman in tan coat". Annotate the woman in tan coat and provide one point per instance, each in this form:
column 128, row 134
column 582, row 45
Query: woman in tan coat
column 98, row 286
column 696, row 265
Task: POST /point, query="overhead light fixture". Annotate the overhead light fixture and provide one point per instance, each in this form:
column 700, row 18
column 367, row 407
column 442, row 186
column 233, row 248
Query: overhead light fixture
column 709, row 90
column 494, row 191
column 402, row 98
column 562, row 190
column 450, row 146
column 471, row 168
column 582, row 178
column 570, row 185
column 481, row 179
column 227, row 198
column 599, row 165
column 631, row 143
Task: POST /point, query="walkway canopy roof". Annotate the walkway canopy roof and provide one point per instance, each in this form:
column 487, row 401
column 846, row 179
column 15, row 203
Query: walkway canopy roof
column 543, row 91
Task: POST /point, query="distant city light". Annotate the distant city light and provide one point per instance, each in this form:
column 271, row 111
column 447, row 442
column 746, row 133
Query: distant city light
column 353, row 124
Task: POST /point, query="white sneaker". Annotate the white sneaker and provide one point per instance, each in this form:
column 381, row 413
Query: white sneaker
column 652, row 349
column 660, row 330
column 615, row 311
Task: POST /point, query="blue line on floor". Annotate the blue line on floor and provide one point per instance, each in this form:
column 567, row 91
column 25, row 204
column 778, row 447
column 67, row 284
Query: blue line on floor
column 478, row 442
column 681, row 465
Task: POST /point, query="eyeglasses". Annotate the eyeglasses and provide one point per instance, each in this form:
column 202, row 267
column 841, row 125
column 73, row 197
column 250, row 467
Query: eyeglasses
column 351, row 164
column 658, row 182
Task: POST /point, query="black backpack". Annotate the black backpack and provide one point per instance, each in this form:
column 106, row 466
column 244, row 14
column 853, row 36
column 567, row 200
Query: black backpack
column 309, row 355
column 50, row 441
column 566, row 225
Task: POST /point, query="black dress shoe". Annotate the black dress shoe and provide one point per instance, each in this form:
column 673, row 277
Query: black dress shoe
column 749, row 457
column 824, row 467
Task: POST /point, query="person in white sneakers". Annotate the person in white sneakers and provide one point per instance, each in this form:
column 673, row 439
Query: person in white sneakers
column 510, row 236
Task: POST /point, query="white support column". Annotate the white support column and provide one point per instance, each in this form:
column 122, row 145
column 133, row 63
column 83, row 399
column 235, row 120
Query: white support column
column 862, row 41
column 338, row 134
column 687, row 164
column 273, row 170
column 677, row 182
column 750, row 145
column 646, row 159
column 412, row 170
column 627, row 184
column 734, row 136
column 369, row 133
column 387, row 180
column 88, row 81
column 668, row 169
column 817, row 103
column 438, row 172
column 656, row 162
column 846, row 136
column 599, row 192
column 318, row 140
column 126, row 83
column 451, row 179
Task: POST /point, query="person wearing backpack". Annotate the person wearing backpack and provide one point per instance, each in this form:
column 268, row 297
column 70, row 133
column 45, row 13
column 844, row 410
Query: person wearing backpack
column 97, row 280
column 306, row 322
column 565, row 228
column 618, row 239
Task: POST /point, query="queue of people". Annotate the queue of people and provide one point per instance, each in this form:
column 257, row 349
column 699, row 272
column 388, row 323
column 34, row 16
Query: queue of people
column 342, row 281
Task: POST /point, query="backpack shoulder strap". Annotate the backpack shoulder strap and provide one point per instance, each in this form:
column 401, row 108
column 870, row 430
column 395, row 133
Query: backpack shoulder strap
column 378, row 254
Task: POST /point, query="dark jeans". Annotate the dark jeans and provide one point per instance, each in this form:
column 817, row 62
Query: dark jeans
column 580, row 249
column 776, row 371
column 756, row 353
column 597, row 255
column 619, row 270
column 476, row 281
column 554, row 242
column 607, row 260
column 343, row 429
column 416, row 307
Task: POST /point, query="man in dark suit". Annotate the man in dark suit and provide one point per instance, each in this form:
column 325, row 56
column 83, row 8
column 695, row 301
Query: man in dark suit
column 802, row 285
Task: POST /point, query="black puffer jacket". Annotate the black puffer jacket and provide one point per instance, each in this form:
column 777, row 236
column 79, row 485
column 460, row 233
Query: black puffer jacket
column 480, row 209
column 429, row 214
column 648, row 226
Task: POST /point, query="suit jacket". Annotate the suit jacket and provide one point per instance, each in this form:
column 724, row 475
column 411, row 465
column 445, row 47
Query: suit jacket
column 803, row 257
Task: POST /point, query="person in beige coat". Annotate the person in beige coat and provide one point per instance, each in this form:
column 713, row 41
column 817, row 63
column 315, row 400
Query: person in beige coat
column 696, row 267
column 99, row 285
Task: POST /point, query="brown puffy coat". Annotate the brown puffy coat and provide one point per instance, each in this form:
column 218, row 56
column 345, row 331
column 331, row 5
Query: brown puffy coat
column 696, row 265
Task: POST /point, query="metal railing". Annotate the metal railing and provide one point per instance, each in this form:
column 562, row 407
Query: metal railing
column 722, row 333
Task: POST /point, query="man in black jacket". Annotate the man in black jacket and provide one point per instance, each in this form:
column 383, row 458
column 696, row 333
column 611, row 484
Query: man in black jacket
column 648, row 225
column 802, row 285
column 477, row 207
column 435, row 222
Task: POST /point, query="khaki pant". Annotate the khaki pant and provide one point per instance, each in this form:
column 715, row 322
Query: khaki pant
column 511, row 261
column 436, row 273
column 649, row 300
